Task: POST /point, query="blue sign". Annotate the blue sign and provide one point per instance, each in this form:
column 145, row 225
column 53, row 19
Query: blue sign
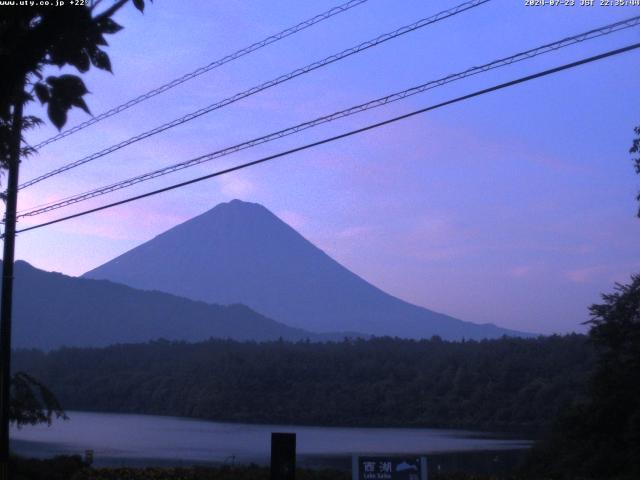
column 389, row 468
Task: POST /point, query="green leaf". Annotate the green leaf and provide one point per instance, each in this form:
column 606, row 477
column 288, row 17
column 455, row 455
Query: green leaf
column 101, row 60
column 32, row 402
column 81, row 61
column 139, row 4
column 42, row 91
column 80, row 103
column 69, row 86
column 101, row 41
column 57, row 113
column 30, row 121
column 107, row 25
column 66, row 91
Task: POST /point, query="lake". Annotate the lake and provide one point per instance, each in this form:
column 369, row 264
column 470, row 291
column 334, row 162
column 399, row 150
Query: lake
column 121, row 439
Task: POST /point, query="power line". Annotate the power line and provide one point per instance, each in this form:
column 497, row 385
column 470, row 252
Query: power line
column 271, row 83
column 550, row 47
column 343, row 135
column 199, row 71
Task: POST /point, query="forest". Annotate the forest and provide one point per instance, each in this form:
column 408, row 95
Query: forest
column 506, row 384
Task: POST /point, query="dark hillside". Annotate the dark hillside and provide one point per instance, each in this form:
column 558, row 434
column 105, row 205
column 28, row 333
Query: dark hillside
column 53, row 310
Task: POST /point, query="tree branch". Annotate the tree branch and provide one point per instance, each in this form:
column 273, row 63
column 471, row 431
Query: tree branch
column 111, row 10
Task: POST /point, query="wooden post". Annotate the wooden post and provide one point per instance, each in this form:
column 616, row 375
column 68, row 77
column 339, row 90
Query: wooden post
column 7, row 284
column 283, row 456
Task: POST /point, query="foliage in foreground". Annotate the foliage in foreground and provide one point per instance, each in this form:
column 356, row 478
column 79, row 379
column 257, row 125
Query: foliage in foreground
column 34, row 39
column 72, row 468
column 57, row 468
column 500, row 384
column 32, row 402
column 239, row 473
column 601, row 437
column 250, row 472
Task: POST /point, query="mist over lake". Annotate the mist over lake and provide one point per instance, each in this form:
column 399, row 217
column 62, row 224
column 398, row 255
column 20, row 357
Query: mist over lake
column 140, row 439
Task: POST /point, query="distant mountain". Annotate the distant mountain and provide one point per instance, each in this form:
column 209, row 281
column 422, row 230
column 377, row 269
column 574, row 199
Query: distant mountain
column 240, row 252
column 53, row 310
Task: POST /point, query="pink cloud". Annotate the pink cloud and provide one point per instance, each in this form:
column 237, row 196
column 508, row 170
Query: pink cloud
column 236, row 185
column 293, row 219
column 355, row 232
column 520, row 272
column 586, row 275
column 609, row 274
column 133, row 222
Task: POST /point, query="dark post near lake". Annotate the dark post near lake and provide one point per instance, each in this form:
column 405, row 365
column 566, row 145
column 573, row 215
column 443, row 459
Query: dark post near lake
column 283, row 456
column 7, row 284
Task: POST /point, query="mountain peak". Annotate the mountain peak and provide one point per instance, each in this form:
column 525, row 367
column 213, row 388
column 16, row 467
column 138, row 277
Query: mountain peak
column 234, row 226
column 238, row 210
column 237, row 204
column 240, row 252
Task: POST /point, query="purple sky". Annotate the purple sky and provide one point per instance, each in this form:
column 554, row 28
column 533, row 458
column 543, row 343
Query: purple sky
column 515, row 208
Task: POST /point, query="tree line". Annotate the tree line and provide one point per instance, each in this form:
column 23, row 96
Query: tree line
column 506, row 384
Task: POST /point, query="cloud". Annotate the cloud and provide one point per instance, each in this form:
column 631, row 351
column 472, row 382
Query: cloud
column 520, row 272
column 355, row 232
column 133, row 222
column 236, row 186
column 608, row 274
column 436, row 236
column 293, row 219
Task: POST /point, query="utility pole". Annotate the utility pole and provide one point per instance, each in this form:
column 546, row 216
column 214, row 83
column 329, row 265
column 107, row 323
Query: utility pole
column 7, row 280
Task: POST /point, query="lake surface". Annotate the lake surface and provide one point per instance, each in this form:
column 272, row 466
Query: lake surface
column 119, row 439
